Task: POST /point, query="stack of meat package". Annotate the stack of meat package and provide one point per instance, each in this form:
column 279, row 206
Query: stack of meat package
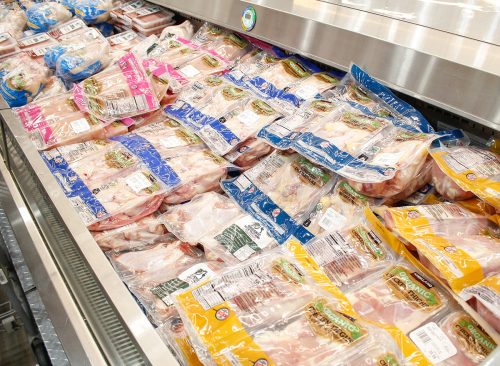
column 261, row 208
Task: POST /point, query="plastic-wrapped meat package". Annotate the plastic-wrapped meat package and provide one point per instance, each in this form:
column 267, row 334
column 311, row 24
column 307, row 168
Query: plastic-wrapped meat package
column 150, row 16
column 484, row 297
column 184, row 30
column 249, row 152
column 276, row 315
column 53, row 87
column 232, row 47
column 208, row 35
column 93, row 11
column 37, row 45
column 205, row 213
column 174, row 51
column 13, row 21
column 80, row 56
column 172, row 332
column 147, row 119
column 338, row 208
column 457, row 245
column 280, row 192
column 44, row 16
column 114, row 129
column 122, row 90
column 239, row 123
column 119, row 11
column 461, row 171
column 146, row 231
column 68, row 29
column 208, row 63
column 250, row 65
column 22, row 79
column 283, row 132
column 199, row 170
column 399, row 296
column 124, row 41
column 8, row 45
column 351, row 252
column 158, row 72
column 472, row 342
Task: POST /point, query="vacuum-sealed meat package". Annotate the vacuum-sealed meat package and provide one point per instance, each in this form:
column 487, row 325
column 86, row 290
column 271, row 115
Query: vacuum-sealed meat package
column 122, row 90
column 484, row 297
column 241, row 122
column 8, row 45
column 124, row 41
column 208, row 35
column 53, row 87
column 93, row 11
column 205, row 213
column 280, row 192
column 22, row 79
column 44, row 16
column 457, row 245
column 149, row 16
column 400, row 295
column 184, row 30
column 462, row 171
column 249, row 152
column 232, row 47
column 146, row 231
column 273, row 312
column 174, row 51
column 13, row 21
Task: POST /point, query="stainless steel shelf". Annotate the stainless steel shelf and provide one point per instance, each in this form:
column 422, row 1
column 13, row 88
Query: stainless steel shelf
column 93, row 313
column 459, row 72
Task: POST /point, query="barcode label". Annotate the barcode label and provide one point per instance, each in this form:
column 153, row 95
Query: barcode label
column 80, row 125
column 433, row 343
column 242, row 182
column 332, row 220
column 231, row 285
column 132, row 6
column 128, row 105
column 138, row 181
column 29, row 41
column 147, row 10
column 122, row 38
column 40, row 51
column 83, row 211
column 266, row 169
column 69, row 27
column 482, row 162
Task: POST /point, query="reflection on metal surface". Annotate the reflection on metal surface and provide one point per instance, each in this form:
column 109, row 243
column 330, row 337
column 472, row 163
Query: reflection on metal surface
column 456, row 73
column 122, row 331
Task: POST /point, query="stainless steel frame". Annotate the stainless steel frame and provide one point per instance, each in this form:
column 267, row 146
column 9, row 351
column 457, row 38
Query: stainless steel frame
column 93, row 313
column 451, row 71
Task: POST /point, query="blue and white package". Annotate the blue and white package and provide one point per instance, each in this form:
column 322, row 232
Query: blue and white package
column 68, row 4
column 43, row 16
column 359, row 87
column 251, row 65
column 106, row 28
column 284, row 131
column 93, row 11
column 240, row 123
column 280, row 192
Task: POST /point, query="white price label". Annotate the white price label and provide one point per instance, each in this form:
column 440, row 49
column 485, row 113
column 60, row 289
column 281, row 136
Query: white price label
column 332, row 220
column 433, row 342
column 74, row 25
column 307, row 91
column 196, row 273
column 172, row 141
column 387, row 159
column 248, row 117
column 147, row 10
column 189, row 71
column 80, row 125
column 138, row 181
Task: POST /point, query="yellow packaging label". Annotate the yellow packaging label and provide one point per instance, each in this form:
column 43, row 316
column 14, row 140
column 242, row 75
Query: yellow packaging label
column 188, row 352
column 455, row 265
column 473, row 169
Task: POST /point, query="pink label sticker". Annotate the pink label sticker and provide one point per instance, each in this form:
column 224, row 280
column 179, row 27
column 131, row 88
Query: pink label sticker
column 176, row 75
column 128, row 121
column 31, row 117
column 79, row 98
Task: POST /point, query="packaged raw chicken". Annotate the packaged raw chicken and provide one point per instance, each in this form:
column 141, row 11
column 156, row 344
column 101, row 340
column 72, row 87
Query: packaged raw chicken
column 146, row 231
column 269, row 311
column 79, row 57
column 457, row 245
column 13, row 21
column 118, row 12
column 249, row 152
column 226, row 133
column 149, row 16
column 280, row 192
column 283, row 132
column 205, row 213
column 124, row 41
column 68, row 28
column 8, row 45
column 399, row 295
column 232, row 47
column 184, row 30
column 44, row 16
column 122, row 90
column 174, row 51
column 361, row 90
column 93, row 11
column 22, row 79
column 37, row 45
column 208, row 35
column 484, row 297
column 54, row 86
column 464, row 171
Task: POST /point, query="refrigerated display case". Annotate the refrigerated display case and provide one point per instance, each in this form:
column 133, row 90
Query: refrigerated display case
column 447, row 65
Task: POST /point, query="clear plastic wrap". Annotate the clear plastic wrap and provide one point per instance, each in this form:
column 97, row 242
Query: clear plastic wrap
column 22, row 79
column 119, row 11
column 184, row 30
column 44, row 16
column 37, row 45
column 461, row 171
column 174, row 51
column 280, row 192
column 124, row 41
column 122, row 90
column 457, row 245
column 269, row 311
column 208, row 35
column 146, row 231
column 8, row 45
column 232, row 47
column 240, row 122
column 205, row 213
column 93, row 11
column 13, row 21
column 53, row 87
column 249, row 152
column 150, row 16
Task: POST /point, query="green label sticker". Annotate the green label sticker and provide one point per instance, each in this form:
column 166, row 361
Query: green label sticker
column 248, row 18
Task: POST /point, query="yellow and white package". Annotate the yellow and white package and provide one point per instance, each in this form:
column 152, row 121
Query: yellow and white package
column 457, row 245
column 269, row 311
column 485, row 298
column 472, row 169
